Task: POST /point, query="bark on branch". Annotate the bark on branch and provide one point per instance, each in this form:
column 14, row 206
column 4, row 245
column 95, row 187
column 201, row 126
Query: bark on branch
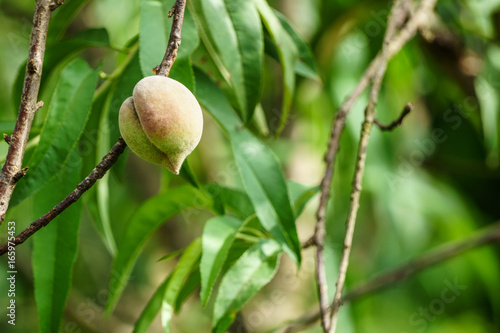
column 12, row 169
column 99, row 171
column 398, row 33
column 398, row 122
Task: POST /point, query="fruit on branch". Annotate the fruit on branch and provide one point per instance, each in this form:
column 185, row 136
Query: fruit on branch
column 162, row 121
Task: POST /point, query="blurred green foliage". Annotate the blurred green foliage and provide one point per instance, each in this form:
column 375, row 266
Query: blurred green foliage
column 433, row 180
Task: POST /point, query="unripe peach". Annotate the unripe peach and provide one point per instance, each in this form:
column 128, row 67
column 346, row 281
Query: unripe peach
column 162, row 123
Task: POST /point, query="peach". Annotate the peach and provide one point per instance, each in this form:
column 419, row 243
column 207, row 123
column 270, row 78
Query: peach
column 162, row 123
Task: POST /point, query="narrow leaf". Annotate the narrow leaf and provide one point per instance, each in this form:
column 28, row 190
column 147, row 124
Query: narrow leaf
column 190, row 258
column 103, row 146
column 265, row 184
column 216, row 103
column 60, row 53
column 61, row 18
column 300, row 195
column 236, row 44
column 192, row 282
column 235, row 200
column 218, row 236
column 151, row 310
column 151, row 35
column 287, row 53
column 65, row 122
column 249, row 274
column 305, row 64
column 259, row 170
column 55, row 250
column 171, row 255
column 124, row 88
column 154, row 33
column 149, row 216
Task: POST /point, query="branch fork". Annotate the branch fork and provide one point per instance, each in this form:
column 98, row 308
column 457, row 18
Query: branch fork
column 400, row 29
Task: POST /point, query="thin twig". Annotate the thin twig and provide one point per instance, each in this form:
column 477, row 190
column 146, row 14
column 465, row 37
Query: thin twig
column 398, row 122
column 308, row 243
column 174, row 40
column 406, row 33
column 396, row 15
column 100, row 170
column 19, row 138
column 447, row 251
column 106, row 163
column 333, row 147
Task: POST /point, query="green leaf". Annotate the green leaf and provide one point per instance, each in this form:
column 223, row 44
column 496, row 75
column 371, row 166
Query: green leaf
column 55, row 249
column 218, row 235
column 239, row 203
column 61, row 18
column 60, row 53
column 83, row 40
column 192, row 282
column 124, row 88
column 149, row 216
column 305, row 64
column 189, row 34
column 259, row 170
column 216, row 103
column 203, row 59
column 300, row 195
column 151, row 35
column 154, row 34
column 151, row 310
column 224, row 323
column 182, row 71
column 91, row 143
column 190, row 258
column 171, row 255
column 237, row 38
column 7, row 126
column 188, row 174
column 287, row 52
column 236, row 201
column 155, row 303
column 102, row 148
column 87, row 146
column 66, row 119
column 244, row 279
column 265, row 184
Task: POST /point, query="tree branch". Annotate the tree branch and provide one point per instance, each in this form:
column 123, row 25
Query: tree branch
column 99, row 171
column 109, row 159
column 11, row 171
column 174, row 40
column 485, row 236
column 397, row 14
column 398, row 122
column 394, row 46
